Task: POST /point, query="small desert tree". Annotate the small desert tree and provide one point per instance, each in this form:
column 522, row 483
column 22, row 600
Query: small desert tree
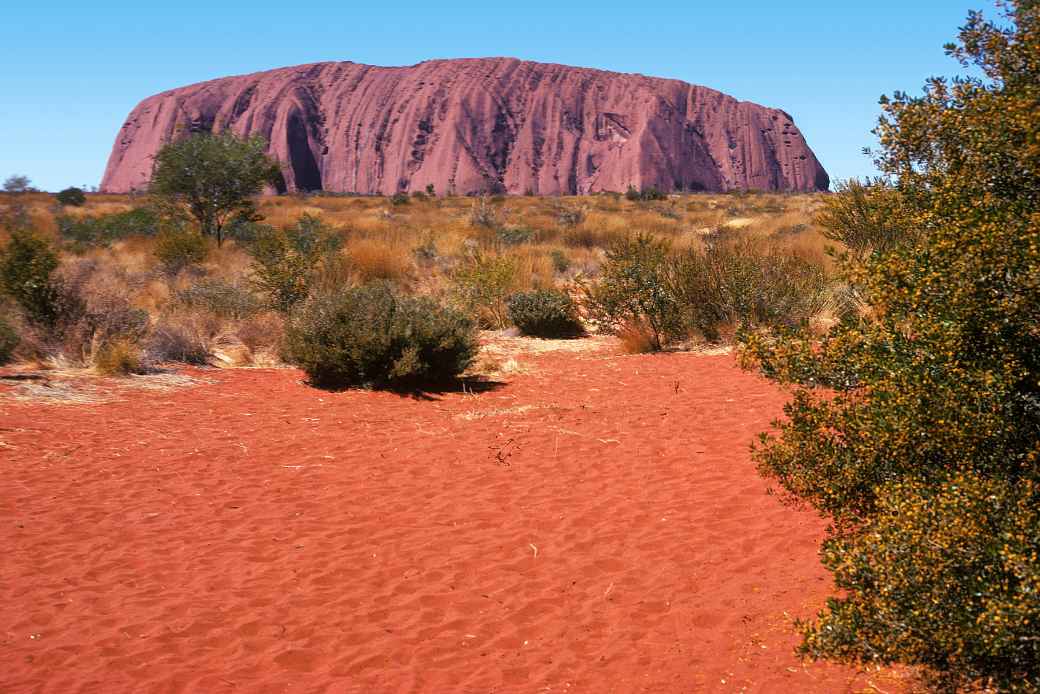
column 16, row 183
column 924, row 449
column 214, row 178
column 73, row 196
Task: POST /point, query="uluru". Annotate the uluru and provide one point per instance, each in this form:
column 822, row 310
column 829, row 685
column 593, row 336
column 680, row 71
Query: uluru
column 468, row 126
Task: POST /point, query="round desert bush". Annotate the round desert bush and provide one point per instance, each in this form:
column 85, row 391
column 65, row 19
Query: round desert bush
column 27, row 263
column 72, row 196
column 372, row 336
column 545, row 313
column 8, row 342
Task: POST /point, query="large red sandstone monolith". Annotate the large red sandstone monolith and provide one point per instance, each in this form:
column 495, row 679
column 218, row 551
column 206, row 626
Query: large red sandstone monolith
column 476, row 125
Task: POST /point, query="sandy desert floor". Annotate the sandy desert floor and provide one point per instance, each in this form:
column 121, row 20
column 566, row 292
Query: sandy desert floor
column 593, row 523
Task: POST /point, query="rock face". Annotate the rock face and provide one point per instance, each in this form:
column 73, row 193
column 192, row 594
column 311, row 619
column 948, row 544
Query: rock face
column 479, row 125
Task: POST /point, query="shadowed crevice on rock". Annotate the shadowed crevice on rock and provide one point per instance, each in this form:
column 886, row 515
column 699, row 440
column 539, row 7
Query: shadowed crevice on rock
column 306, row 174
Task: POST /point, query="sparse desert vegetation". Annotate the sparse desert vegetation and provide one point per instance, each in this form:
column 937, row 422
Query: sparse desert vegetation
column 726, row 261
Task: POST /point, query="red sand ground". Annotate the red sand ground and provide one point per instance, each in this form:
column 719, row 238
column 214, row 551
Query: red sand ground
column 595, row 525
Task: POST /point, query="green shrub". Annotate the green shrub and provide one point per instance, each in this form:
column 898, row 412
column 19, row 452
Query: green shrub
column 646, row 194
column 746, row 284
column 371, row 336
column 106, row 229
column 482, row 283
column 399, row 199
column 514, row 236
column 634, row 289
column 923, row 448
column 27, row 263
column 957, row 564
column 286, row 262
column 9, row 341
column 220, row 298
column 180, row 248
column 72, row 197
column 545, row 313
column 561, row 262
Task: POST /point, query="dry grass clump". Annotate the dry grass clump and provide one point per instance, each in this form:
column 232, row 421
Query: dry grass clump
column 120, row 357
column 370, row 260
column 636, row 337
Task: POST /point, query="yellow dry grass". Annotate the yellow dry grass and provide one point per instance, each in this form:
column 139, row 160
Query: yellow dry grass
column 420, row 242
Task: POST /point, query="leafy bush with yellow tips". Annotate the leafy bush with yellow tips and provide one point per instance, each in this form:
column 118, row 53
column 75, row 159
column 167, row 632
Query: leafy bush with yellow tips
column 915, row 424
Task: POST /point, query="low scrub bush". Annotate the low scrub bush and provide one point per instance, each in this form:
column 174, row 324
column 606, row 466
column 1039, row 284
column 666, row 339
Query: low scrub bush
column 71, row 197
column 181, row 337
column 261, row 331
column 569, row 216
column 484, row 213
column 371, row 336
column 27, row 263
column 287, row 262
column 560, row 260
column 863, row 217
column 180, row 248
column 84, row 232
column 514, row 235
column 119, row 357
column 96, row 310
column 9, row 341
column 646, row 194
column 634, row 289
column 426, row 252
column 545, row 313
column 746, row 284
column 482, row 283
column 221, row 298
column 636, row 338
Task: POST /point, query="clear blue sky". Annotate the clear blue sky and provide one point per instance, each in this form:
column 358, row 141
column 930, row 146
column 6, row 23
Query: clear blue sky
column 75, row 69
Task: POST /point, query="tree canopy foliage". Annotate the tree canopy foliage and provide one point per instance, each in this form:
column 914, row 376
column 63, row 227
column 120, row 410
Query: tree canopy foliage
column 214, row 178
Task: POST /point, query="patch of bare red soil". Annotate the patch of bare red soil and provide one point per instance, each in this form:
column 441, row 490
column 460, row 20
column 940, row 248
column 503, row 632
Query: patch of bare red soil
column 594, row 525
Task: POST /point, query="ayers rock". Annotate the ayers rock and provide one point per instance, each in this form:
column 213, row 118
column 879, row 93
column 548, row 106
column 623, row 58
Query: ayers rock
column 479, row 125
